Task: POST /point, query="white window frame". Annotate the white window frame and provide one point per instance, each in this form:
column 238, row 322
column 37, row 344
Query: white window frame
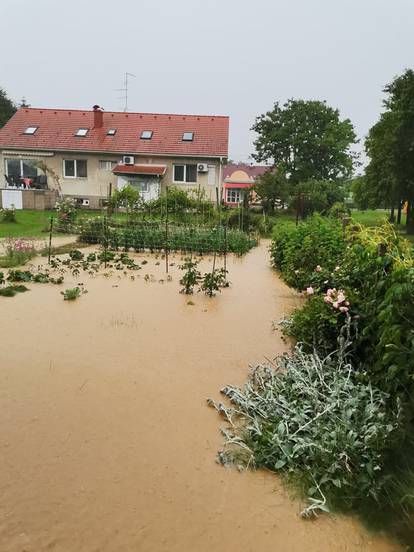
column 111, row 132
column 107, row 165
column 185, row 173
column 237, row 193
column 82, row 132
column 76, row 169
column 188, row 136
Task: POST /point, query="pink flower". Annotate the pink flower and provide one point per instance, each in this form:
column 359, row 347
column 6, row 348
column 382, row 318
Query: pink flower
column 335, row 304
column 343, row 309
column 318, row 269
column 310, row 290
column 327, row 299
column 341, row 296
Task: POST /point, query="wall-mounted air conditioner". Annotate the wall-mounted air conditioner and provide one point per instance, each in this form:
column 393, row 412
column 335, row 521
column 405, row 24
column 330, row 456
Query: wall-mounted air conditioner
column 202, row 167
column 128, row 160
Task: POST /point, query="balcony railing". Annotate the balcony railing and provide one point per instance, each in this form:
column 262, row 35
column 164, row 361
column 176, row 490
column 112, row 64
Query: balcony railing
column 26, row 183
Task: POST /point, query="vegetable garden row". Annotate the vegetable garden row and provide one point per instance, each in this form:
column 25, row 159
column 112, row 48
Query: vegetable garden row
column 161, row 236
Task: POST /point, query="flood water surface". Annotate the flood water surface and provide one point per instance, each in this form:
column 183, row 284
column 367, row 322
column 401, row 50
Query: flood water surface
column 106, row 442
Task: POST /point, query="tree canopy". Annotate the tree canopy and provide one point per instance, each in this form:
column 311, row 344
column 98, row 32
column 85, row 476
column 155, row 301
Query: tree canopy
column 272, row 188
column 7, row 108
column 306, row 140
column 390, row 146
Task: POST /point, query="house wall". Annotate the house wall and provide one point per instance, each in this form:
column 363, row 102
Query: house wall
column 153, row 188
column 96, row 185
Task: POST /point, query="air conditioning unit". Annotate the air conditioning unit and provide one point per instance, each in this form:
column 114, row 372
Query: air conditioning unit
column 128, row 160
column 202, row 167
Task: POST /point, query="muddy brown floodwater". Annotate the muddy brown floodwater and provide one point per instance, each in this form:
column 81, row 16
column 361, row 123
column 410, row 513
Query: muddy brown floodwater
column 106, row 442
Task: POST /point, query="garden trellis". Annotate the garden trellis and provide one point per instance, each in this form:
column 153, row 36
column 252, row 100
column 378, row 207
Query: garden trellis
column 164, row 236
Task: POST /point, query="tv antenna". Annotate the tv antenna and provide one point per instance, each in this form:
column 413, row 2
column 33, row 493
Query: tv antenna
column 125, row 90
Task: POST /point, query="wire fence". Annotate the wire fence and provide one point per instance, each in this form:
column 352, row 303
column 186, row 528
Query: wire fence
column 111, row 233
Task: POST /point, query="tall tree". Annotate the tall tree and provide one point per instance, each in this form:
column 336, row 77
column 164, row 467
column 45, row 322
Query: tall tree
column 7, row 108
column 272, row 188
column 306, row 140
column 390, row 146
column 400, row 102
column 380, row 186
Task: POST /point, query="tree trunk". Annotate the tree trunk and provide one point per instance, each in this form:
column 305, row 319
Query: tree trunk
column 391, row 218
column 410, row 217
column 399, row 211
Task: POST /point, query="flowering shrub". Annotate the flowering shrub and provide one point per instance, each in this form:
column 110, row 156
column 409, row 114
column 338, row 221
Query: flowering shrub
column 307, row 254
column 66, row 211
column 371, row 280
column 18, row 252
column 8, row 215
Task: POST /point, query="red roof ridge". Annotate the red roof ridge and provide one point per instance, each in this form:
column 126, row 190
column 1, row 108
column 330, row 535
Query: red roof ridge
column 77, row 110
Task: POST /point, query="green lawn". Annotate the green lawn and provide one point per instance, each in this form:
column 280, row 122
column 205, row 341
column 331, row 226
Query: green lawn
column 375, row 217
column 34, row 224
column 370, row 217
column 29, row 224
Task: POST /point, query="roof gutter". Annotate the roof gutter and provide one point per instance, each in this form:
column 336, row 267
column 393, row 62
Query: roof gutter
column 116, row 152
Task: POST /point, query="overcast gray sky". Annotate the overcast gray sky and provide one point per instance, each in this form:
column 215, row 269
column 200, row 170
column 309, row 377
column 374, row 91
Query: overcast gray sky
column 228, row 57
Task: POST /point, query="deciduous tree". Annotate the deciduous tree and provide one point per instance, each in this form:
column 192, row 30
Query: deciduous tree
column 307, row 140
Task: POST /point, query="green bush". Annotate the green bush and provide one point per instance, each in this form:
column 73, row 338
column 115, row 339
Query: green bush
column 298, row 251
column 316, row 325
column 313, row 420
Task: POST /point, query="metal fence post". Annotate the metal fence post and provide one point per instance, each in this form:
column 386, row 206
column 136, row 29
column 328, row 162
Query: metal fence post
column 166, row 230
column 50, row 240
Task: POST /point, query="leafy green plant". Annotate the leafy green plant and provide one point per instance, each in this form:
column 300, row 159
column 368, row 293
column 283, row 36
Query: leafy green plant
column 8, row 215
column 76, row 255
column 313, row 420
column 11, row 291
column 191, row 276
column 19, row 276
column 212, row 282
column 8, row 291
column 71, row 294
column 297, row 251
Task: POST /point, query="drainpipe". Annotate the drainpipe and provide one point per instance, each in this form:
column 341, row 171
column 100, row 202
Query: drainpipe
column 220, row 179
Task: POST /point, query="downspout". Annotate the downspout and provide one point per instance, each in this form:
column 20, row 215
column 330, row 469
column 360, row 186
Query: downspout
column 220, row 180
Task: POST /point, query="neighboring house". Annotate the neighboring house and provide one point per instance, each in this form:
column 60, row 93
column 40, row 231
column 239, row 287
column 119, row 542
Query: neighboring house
column 88, row 153
column 238, row 179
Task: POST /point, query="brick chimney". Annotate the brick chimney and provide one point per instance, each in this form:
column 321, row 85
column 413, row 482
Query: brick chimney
column 97, row 116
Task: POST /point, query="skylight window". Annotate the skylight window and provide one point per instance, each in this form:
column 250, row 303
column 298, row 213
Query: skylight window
column 188, row 136
column 30, row 130
column 111, row 132
column 146, row 135
column 82, row 132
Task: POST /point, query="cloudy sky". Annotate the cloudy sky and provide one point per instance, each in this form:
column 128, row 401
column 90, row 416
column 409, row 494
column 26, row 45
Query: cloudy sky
column 228, row 57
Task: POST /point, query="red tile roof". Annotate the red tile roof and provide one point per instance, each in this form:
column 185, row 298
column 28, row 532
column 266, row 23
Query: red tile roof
column 57, row 128
column 251, row 170
column 140, row 169
column 238, row 184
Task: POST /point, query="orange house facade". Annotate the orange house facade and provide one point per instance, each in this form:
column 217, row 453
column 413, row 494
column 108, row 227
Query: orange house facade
column 237, row 181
